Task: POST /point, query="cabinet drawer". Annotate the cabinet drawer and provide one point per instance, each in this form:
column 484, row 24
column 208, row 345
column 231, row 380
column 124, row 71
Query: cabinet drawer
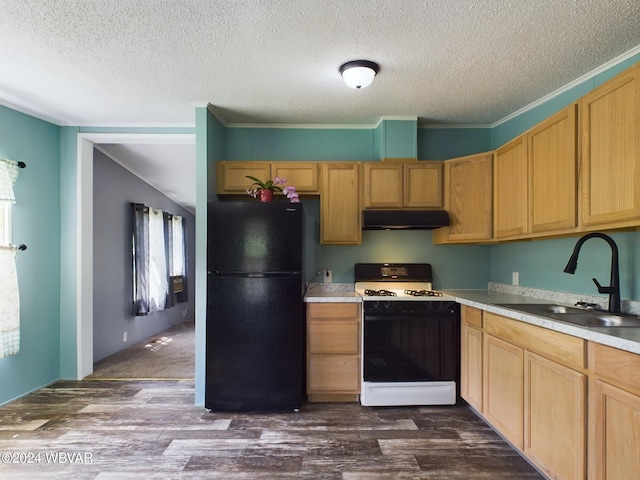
column 333, row 311
column 564, row 349
column 333, row 373
column 473, row 316
column 614, row 364
column 333, row 336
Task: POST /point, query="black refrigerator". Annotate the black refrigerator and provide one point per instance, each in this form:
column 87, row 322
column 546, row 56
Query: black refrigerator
column 255, row 317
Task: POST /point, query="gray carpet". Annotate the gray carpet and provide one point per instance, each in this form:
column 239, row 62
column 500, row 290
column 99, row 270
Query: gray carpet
column 167, row 355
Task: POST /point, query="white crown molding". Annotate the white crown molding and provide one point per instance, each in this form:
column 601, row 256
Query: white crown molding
column 444, row 126
column 32, row 113
column 569, row 86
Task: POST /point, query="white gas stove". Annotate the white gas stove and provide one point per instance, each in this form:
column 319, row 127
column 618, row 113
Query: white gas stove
column 410, row 337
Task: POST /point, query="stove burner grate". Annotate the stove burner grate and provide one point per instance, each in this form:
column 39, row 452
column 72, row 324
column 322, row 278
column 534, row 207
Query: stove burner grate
column 423, row 293
column 379, row 293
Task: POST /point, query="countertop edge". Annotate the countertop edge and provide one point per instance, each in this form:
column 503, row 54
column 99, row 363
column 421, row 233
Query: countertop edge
column 627, row 338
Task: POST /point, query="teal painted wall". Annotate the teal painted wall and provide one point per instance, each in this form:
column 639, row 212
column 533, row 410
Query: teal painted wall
column 541, row 264
column 399, row 139
column 211, row 142
column 445, row 143
column 299, row 144
column 68, row 251
column 36, row 223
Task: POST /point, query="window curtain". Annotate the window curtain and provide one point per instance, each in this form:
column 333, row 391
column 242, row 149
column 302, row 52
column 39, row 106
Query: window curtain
column 158, row 253
column 158, row 278
column 140, row 245
column 9, row 295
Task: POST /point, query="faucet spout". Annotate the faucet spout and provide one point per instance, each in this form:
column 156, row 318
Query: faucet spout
column 613, row 290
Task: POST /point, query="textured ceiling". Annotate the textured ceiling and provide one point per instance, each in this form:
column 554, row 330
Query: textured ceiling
column 150, row 62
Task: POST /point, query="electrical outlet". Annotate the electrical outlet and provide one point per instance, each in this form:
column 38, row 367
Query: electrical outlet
column 327, row 276
column 515, row 278
column 124, row 337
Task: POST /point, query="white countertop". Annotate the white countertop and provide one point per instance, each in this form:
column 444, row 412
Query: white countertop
column 626, row 338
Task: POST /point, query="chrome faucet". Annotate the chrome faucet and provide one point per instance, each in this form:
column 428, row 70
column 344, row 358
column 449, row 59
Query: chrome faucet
column 614, row 283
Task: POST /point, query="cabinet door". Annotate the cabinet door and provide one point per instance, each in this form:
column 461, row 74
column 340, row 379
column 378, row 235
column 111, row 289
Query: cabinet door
column 340, row 213
column 553, row 173
column 614, row 434
column 301, row 175
column 554, row 417
column 610, row 123
column 471, row 365
column 232, row 176
column 423, row 185
column 382, row 184
column 468, row 195
column 328, row 374
column 503, row 388
column 510, row 187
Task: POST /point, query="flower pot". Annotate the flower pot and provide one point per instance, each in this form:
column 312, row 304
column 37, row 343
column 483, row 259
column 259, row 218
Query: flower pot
column 265, row 195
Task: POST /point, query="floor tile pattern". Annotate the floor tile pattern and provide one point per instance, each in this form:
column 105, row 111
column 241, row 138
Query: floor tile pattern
column 151, row 430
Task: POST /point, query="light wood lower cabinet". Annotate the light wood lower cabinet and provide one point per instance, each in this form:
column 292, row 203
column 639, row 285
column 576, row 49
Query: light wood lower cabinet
column 333, row 351
column 503, row 388
column 614, row 413
column 554, row 417
column 471, row 357
column 534, row 389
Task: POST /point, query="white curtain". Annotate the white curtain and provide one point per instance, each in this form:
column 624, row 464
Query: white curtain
column 158, row 282
column 9, row 303
column 9, row 295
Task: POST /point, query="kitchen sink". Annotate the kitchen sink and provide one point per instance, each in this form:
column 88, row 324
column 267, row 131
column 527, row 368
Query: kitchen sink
column 574, row 315
column 544, row 309
column 597, row 319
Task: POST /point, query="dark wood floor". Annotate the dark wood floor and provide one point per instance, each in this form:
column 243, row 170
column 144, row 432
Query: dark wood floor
column 151, row 430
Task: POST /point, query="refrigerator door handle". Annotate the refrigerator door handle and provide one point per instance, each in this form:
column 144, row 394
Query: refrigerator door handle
column 272, row 274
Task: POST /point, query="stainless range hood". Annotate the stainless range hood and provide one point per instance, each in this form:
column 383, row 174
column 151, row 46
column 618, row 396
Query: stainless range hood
column 404, row 219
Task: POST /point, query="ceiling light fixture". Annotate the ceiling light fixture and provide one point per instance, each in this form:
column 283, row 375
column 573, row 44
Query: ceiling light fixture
column 359, row 73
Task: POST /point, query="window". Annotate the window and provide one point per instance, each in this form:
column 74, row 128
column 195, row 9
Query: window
column 158, row 254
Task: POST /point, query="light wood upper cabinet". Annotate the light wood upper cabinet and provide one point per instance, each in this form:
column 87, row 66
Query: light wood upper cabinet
column 423, row 184
column 340, row 212
column 301, row 175
column 416, row 184
column 468, row 194
column 510, row 169
column 232, row 176
column 610, row 163
column 382, row 184
column 553, row 173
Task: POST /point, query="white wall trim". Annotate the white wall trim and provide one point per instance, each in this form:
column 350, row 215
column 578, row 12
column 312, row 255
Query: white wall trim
column 84, row 213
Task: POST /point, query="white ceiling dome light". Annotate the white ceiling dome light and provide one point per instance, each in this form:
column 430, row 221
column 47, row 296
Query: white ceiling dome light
column 359, row 73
